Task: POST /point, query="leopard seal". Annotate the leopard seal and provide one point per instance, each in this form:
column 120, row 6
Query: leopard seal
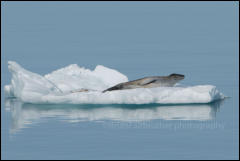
column 149, row 82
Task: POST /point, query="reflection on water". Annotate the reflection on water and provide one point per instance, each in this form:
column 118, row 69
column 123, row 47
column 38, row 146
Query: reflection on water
column 24, row 114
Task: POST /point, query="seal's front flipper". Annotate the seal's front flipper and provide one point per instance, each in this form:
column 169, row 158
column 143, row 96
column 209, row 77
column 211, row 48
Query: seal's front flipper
column 149, row 82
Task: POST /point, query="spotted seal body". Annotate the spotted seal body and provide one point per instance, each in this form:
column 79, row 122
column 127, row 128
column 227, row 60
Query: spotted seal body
column 149, row 82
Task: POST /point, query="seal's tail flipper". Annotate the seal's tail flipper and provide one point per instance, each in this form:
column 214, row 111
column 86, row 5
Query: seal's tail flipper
column 117, row 87
column 109, row 89
column 79, row 90
column 84, row 90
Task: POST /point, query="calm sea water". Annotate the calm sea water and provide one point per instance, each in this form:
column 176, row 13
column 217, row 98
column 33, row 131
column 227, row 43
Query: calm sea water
column 198, row 39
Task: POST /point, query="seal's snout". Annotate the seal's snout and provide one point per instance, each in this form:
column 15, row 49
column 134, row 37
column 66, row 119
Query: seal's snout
column 181, row 76
column 177, row 76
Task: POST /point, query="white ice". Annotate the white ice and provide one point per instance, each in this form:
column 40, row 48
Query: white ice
column 56, row 88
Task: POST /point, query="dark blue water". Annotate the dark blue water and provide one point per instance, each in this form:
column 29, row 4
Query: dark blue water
column 197, row 39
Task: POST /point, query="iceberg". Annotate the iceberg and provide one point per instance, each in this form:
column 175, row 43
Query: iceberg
column 56, row 87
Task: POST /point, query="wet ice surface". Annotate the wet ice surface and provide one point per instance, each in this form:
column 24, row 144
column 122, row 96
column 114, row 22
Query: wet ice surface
column 56, row 87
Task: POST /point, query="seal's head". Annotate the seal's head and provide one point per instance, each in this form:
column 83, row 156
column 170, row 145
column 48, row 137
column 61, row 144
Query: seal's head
column 177, row 77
